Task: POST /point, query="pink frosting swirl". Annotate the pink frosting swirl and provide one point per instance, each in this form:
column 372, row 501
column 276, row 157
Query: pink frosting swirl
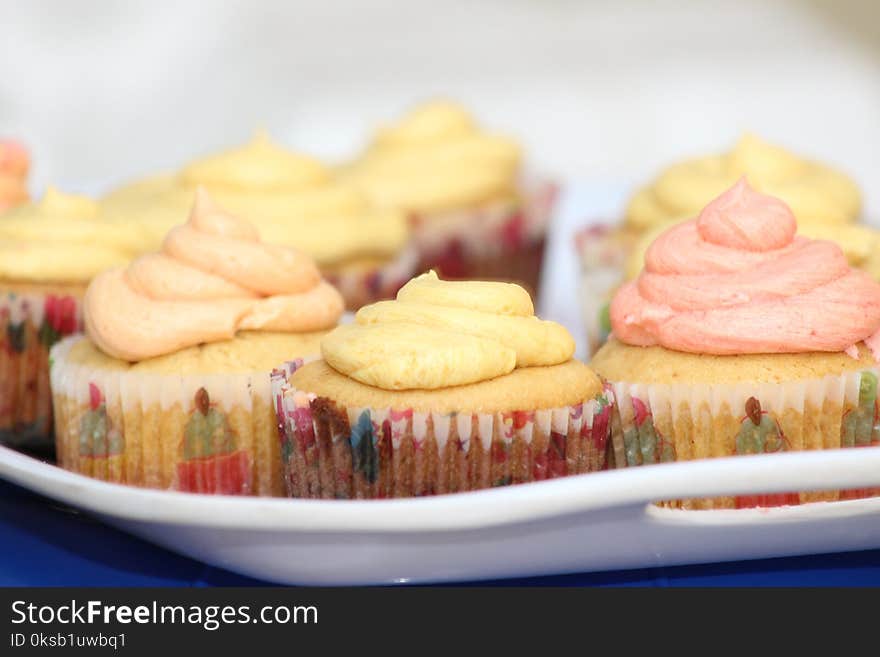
column 212, row 278
column 738, row 280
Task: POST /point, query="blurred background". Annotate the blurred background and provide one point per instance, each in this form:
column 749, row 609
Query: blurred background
column 597, row 90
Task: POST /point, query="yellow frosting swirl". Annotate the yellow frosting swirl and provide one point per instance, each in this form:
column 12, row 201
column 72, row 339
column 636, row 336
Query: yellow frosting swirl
column 436, row 159
column 62, row 238
column 293, row 200
column 815, row 193
column 443, row 333
column 212, row 278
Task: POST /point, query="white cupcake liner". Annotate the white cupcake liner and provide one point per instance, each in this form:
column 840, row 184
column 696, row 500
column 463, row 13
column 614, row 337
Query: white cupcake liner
column 196, row 433
column 656, row 423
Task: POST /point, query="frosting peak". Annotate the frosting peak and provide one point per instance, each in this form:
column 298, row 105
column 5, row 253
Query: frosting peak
column 763, row 161
column 291, row 199
column 742, row 218
column 738, row 280
column 436, row 159
column 439, row 334
column 259, row 164
column 212, row 278
column 431, row 122
column 816, row 193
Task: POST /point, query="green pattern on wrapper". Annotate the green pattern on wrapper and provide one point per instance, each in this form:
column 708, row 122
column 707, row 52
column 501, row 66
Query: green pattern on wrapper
column 859, row 424
column 643, row 443
column 763, row 438
column 47, row 335
column 96, row 435
column 364, row 455
column 207, row 431
column 15, row 334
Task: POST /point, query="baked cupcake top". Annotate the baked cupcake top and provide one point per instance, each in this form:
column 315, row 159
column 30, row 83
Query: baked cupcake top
column 815, row 193
column 62, row 238
column 14, row 166
column 436, row 159
column 292, row 199
column 212, row 278
column 738, row 280
column 440, row 334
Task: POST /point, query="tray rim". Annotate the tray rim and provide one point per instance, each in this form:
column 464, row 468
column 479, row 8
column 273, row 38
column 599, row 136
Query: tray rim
column 631, row 488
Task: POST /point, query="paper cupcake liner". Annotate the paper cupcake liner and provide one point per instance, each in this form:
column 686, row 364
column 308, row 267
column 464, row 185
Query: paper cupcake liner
column 505, row 241
column 31, row 323
column 195, row 433
column 362, row 287
column 332, row 451
column 677, row 422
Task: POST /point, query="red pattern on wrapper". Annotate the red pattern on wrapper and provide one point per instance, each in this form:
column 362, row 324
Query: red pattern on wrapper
column 30, row 324
column 228, row 474
column 490, row 244
column 333, row 452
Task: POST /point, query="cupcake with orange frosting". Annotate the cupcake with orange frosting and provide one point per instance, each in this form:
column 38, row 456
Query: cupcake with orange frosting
column 169, row 388
column 826, row 202
column 14, row 166
column 49, row 250
column 741, row 337
column 454, row 386
column 473, row 213
column 292, row 200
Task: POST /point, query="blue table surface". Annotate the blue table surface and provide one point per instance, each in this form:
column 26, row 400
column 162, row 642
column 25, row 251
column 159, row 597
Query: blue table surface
column 47, row 544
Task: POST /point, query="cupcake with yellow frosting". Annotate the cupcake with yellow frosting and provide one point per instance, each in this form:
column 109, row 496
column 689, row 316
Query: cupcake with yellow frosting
column 454, row 386
column 293, row 201
column 14, row 166
column 825, row 202
column 49, row 250
column 741, row 337
column 471, row 210
column 169, row 388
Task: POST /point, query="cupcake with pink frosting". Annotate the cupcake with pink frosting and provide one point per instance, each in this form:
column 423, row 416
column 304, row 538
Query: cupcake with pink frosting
column 14, row 166
column 741, row 337
column 169, row 387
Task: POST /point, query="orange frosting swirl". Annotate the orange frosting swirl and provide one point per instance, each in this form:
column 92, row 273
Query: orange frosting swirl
column 212, row 278
column 738, row 280
column 14, row 166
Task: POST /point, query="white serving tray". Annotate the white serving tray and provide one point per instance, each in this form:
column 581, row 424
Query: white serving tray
column 592, row 522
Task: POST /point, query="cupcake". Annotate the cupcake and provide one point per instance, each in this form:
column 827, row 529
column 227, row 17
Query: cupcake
column 50, row 249
column 293, row 201
column 14, row 165
column 169, row 388
column 454, row 386
column 825, row 202
column 472, row 212
column 741, row 337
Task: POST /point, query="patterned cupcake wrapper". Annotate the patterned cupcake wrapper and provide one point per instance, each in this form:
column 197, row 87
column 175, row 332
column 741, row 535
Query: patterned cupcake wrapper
column 677, row 422
column 332, row 451
column 361, row 287
column 483, row 241
column 31, row 323
column 194, row 433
